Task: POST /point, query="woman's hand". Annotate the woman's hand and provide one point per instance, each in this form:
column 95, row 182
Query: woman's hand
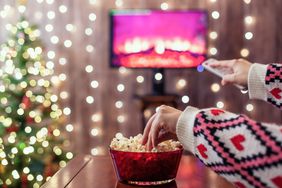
column 240, row 68
column 161, row 126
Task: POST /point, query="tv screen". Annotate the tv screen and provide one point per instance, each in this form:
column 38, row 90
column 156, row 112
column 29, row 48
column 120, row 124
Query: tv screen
column 158, row 39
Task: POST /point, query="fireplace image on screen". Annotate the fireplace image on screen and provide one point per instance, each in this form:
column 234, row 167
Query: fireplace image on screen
column 158, row 39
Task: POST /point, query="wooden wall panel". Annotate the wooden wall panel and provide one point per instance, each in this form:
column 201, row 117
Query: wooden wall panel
column 265, row 47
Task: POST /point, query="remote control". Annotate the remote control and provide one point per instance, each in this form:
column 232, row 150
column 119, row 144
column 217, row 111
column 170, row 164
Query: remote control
column 219, row 71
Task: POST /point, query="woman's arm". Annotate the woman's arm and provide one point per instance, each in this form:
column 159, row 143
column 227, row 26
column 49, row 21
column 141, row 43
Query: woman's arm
column 245, row 152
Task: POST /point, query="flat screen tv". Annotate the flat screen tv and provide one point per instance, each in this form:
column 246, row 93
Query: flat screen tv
column 158, row 39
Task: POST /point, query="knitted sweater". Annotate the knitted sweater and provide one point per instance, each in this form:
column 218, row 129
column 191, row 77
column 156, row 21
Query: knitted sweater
column 245, row 152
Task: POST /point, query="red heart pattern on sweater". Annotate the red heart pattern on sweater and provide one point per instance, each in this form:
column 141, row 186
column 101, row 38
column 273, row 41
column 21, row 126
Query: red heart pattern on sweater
column 277, row 181
column 202, row 150
column 237, row 142
column 276, row 93
column 216, row 112
column 239, row 184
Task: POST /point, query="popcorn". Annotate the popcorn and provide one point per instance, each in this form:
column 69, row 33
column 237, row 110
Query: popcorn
column 133, row 144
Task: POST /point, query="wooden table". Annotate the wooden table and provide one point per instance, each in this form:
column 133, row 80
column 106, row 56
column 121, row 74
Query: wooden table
column 86, row 171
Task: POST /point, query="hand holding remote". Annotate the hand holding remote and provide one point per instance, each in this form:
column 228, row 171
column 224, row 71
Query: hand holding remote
column 232, row 71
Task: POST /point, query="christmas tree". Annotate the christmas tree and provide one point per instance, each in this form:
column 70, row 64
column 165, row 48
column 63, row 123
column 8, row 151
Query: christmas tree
column 31, row 138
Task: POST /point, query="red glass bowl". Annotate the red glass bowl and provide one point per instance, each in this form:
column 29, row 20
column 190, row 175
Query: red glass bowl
column 146, row 168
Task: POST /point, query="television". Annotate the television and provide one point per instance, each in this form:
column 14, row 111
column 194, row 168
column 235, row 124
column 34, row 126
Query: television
column 158, row 39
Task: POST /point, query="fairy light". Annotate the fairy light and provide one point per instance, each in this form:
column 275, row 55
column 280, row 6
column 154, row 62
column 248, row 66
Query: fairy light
column 56, row 132
column 51, row 15
column 64, row 95
column 63, row 61
column 94, row 132
column 89, row 68
column 93, row 2
column 140, row 79
column 69, row 127
column 158, row 76
column 248, row 20
column 249, row 107
column 181, row 83
column 92, row 17
column 69, row 155
column 30, row 177
column 62, row 77
column 89, row 99
column 70, row 27
column 89, row 48
column 164, row 6
column 28, row 129
column 120, row 87
column 244, row 52
column 247, row 1
column 88, row 31
column 54, row 39
column 63, row 9
column 21, row 8
column 219, row 104
column 96, row 117
column 50, row 2
column 185, row 99
column 213, row 51
column 121, row 119
column 213, row 35
column 119, row 104
column 94, row 151
column 26, row 170
column 67, row 111
column 94, row 84
column 49, row 28
column 51, row 54
column 215, row 87
column 119, row 3
column 122, row 70
column 215, row 15
column 39, row 177
column 67, row 43
column 248, row 35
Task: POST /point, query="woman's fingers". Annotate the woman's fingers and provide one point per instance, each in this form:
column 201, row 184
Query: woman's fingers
column 229, row 78
column 147, row 129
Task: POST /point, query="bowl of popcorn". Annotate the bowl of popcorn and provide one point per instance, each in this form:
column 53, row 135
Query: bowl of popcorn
column 134, row 164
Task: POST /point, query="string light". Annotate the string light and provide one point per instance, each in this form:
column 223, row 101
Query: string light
column 119, row 104
column 164, row 6
column 92, row 17
column 93, row 2
column 94, row 151
column 181, row 83
column 248, row 20
column 215, row 87
column 120, row 87
column 213, row 35
column 140, row 79
column 67, row 111
column 244, row 52
column 94, row 84
column 54, row 39
column 158, row 76
column 215, row 15
column 89, row 68
column 249, row 35
column 63, row 61
column 94, row 132
column 249, row 107
column 119, row 3
column 88, row 31
column 121, row 118
column 67, row 43
column 185, row 99
column 63, row 9
column 247, row 1
column 89, row 48
column 69, row 127
column 50, row 2
column 220, row 104
column 213, row 51
column 89, row 99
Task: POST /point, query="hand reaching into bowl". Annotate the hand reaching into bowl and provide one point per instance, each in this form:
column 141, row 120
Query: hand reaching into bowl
column 161, row 126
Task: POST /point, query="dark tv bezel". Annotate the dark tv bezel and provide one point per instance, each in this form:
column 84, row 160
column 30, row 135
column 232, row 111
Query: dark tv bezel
column 204, row 11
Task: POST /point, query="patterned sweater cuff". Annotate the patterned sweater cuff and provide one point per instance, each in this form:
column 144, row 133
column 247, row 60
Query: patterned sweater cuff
column 256, row 81
column 184, row 128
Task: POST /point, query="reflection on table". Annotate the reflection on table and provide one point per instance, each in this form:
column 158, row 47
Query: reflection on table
column 97, row 172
